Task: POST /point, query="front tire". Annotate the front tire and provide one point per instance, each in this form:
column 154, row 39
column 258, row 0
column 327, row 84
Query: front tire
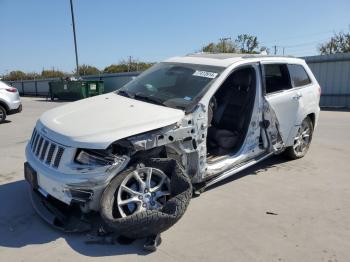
column 125, row 209
column 2, row 114
column 302, row 140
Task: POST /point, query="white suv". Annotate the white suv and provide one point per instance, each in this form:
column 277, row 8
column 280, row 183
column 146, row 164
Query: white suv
column 136, row 155
column 10, row 102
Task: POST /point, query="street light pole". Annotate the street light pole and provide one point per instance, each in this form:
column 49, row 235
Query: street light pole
column 75, row 38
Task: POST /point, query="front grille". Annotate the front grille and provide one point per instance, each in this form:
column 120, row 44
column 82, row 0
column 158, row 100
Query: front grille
column 45, row 150
column 58, row 156
column 50, row 154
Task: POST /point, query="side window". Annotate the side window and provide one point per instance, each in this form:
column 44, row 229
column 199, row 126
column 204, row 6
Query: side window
column 276, row 78
column 299, row 75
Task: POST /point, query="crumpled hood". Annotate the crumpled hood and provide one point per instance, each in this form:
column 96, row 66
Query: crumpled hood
column 99, row 121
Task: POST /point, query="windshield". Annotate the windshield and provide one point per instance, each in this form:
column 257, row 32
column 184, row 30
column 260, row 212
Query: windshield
column 172, row 84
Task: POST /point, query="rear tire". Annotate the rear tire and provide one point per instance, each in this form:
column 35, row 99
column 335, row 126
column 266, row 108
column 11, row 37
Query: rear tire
column 2, row 114
column 302, row 141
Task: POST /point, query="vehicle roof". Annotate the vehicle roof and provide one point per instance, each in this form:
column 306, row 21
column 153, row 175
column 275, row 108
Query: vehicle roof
column 227, row 59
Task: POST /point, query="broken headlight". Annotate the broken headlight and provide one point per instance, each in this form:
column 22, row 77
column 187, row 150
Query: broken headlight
column 98, row 158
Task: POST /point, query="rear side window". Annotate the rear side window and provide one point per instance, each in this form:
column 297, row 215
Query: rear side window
column 276, row 78
column 299, row 75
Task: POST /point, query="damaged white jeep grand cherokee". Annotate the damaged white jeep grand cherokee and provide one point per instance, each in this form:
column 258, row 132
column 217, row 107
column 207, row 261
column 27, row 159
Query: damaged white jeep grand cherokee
column 134, row 156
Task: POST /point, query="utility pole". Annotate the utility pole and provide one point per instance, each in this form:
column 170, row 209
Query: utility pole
column 283, row 50
column 223, row 41
column 129, row 66
column 275, row 49
column 75, row 38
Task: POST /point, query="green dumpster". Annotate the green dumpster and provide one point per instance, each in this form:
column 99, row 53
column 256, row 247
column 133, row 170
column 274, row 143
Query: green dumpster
column 75, row 90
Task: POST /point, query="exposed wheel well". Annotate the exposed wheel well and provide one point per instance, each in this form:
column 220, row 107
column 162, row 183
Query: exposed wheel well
column 312, row 116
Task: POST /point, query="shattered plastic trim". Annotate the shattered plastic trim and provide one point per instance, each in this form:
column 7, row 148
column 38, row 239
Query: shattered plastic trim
column 188, row 138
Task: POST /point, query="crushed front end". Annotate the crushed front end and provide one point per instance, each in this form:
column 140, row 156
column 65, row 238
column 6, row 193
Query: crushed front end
column 65, row 182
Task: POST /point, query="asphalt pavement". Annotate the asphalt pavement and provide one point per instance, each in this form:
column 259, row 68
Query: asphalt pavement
column 276, row 211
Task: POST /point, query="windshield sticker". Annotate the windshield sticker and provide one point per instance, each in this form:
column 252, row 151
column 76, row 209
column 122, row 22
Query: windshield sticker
column 187, row 98
column 205, row 74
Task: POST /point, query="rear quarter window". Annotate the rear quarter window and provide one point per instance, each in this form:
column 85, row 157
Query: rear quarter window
column 298, row 75
column 276, row 78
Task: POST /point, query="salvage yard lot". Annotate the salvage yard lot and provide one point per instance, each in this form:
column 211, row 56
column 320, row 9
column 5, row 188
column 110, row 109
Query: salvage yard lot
column 276, row 211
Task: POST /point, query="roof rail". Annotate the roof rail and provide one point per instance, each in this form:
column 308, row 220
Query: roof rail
column 243, row 55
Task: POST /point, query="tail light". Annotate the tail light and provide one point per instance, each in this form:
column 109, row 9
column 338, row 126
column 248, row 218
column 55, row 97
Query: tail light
column 11, row 89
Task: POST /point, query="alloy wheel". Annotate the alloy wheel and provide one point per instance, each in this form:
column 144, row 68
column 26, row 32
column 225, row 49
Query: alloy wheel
column 143, row 189
column 303, row 138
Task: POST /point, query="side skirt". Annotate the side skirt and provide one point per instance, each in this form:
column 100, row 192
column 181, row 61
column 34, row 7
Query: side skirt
column 237, row 169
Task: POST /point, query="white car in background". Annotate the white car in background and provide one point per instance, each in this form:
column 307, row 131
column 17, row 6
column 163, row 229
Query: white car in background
column 136, row 155
column 10, row 102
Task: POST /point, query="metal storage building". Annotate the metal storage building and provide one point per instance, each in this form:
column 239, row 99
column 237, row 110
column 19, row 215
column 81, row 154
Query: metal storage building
column 333, row 74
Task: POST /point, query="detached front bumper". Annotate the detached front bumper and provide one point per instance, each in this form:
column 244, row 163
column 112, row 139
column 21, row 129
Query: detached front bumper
column 83, row 189
column 55, row 212
column 64, row 200
column 56, row 217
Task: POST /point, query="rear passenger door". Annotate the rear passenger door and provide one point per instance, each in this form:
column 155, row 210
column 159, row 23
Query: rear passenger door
column 281, row 96
column 306, row 90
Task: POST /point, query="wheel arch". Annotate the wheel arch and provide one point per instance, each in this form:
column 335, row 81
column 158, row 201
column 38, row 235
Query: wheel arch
column 4, row 105
column 312, row 116
column 294, row 131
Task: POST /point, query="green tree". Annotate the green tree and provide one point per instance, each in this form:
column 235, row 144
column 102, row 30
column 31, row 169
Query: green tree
column 142, row 66
column 127, row 66
column 248, row 44
column 116, row 68
column 220, row 47
column 15, row 75
column 32, row 75
column 87, row 70
column 244, row 43
column 123, row 66
column 339, row 43
column 209, row 48
column 52, row 73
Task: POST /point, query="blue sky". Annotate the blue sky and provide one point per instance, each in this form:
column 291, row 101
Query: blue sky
column 37, row 34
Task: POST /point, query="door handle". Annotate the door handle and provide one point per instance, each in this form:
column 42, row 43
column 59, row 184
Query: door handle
column 297, row 96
